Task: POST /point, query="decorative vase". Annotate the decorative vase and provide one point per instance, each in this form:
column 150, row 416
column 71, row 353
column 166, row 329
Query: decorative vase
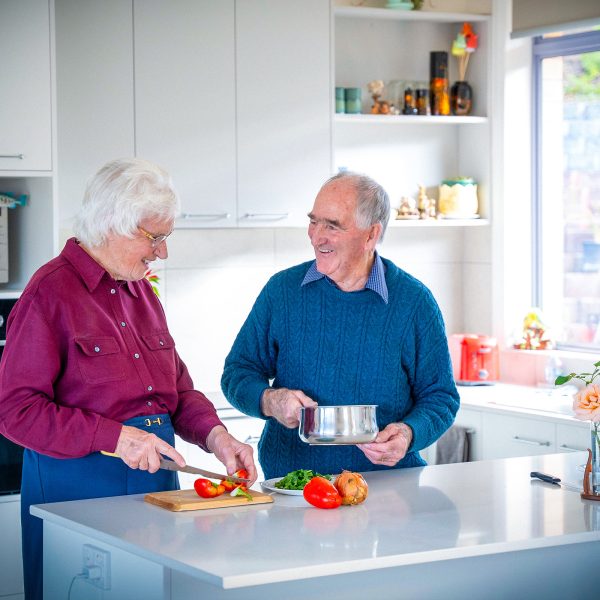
column 595, row 446
column 461, row 98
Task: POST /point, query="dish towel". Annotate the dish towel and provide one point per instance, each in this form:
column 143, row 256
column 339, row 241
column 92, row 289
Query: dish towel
column 453, row 446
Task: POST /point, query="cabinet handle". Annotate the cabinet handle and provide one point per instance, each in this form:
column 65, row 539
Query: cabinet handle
column 19, row 156
column 530, row 442
column 266, row 216
column 207, row 216
column 571, row 449
column 252, row 439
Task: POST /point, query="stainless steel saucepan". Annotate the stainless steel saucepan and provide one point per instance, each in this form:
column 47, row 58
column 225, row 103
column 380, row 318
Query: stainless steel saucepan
column 332, row 425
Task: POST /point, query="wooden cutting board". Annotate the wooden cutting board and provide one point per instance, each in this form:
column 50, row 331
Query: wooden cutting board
column 189, row 500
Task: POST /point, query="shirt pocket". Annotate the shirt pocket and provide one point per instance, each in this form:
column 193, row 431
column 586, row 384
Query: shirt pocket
column 100, row 359
column 162, row 350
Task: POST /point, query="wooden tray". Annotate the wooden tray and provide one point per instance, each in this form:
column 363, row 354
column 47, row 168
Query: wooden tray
column 189, row 500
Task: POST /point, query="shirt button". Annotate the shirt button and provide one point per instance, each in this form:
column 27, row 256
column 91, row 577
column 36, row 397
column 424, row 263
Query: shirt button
column 122, row 323
column 149, row 388
column 136, row 355
column 113, row 291
column 161, row 342
column 149, row 403
column 96, row 348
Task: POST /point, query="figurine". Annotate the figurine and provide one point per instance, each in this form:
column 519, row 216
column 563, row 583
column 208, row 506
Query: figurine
column 380, row 107
column 426, row 205
column 408, row 209
column 535, row 335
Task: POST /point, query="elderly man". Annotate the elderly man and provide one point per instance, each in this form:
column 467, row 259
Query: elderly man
column 349, row 327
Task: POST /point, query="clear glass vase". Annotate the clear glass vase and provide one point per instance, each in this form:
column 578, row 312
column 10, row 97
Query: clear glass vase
column 595, row 446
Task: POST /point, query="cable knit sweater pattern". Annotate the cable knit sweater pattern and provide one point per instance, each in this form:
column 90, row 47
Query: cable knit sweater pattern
column 343, row 348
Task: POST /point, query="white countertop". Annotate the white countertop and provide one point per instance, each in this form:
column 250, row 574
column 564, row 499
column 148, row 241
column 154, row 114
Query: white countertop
column 411, row 516
column 552, row 404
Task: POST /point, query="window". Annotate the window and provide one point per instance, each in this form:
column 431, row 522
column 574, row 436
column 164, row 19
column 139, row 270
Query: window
column 567, row 186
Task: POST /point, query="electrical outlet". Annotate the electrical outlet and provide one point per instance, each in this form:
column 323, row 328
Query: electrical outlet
column 98, row 561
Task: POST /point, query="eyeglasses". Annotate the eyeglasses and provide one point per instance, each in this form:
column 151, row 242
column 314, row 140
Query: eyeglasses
column 155, row 240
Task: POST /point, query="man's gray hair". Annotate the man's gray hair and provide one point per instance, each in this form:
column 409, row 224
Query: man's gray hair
column 120, row 196
column 373, row 203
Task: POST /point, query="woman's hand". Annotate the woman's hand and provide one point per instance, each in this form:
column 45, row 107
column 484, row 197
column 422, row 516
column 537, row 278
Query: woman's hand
column 390, row 445
column 284, row 405
column 232, row 453
column 142, row 450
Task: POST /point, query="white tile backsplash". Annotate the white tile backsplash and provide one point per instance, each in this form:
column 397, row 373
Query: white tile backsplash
column 212, row 277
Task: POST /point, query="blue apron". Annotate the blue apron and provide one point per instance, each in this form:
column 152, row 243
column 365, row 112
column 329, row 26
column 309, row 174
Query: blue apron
column 47, row 479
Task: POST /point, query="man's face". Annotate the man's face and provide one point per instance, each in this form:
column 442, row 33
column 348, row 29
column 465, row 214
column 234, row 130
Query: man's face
column 343, row 251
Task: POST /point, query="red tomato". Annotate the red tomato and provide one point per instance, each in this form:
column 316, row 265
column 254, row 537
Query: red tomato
column 205, row 488
column 321, row 493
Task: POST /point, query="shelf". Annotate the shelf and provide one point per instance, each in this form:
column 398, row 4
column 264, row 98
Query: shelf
column 409, row 119
column 438, row 222
column 358, row 12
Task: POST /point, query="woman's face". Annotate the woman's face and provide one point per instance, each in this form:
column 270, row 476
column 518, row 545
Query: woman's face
column 129, row 259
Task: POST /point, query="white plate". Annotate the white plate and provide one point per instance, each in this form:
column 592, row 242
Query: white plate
column 269, row 485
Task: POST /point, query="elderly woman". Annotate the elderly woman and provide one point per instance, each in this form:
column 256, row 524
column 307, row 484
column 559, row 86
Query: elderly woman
column 90, row 366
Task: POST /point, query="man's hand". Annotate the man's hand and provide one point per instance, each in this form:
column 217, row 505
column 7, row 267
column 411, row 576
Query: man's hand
column 284, row 405
column 142, row 450
column 390, row 445
column 232, row 453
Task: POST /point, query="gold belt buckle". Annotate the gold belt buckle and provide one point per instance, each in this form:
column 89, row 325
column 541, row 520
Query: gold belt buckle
column 149, row 423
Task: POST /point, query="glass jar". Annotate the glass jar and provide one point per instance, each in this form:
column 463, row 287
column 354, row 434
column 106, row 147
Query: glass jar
column 353, row 101
column 440, row 97
column 422, row 95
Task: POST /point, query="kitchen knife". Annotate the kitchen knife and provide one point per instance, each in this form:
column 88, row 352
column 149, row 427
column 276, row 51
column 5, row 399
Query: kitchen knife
column 170, row 465
column 554, row 481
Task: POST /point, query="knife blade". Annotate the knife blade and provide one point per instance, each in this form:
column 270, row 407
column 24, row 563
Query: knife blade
column 554, row 481
column 170, row 465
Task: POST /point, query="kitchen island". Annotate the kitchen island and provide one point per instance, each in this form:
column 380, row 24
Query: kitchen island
column 480, row 530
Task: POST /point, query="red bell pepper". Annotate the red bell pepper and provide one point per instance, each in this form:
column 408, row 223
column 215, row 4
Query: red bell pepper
column 229, row 485
column 205, row 488
column 321, row 493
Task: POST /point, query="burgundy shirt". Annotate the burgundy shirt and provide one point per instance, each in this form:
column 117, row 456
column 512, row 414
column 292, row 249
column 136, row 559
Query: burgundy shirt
column 83, row 354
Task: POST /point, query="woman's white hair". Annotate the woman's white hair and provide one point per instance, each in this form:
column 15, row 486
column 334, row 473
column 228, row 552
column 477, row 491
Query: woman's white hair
column 122, row 194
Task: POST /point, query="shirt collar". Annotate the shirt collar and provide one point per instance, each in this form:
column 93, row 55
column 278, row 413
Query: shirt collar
column 375, row 281
column 90, row 271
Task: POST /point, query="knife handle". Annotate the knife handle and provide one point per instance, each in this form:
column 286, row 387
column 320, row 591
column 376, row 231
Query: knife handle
column 544, row 477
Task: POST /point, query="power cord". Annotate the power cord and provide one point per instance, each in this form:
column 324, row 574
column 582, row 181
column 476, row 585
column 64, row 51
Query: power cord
column 87, row 573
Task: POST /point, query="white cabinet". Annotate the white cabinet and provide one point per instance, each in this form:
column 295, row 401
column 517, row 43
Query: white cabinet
column 243, row 428
column 404, row 151
column 284, row 109
column 11, row 566
column 185, row 102
column 26, row 100
column 572, row 438
column 94, row 81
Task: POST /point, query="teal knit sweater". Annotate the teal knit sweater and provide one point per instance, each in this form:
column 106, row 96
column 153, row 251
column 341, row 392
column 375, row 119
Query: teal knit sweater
column 343, row 348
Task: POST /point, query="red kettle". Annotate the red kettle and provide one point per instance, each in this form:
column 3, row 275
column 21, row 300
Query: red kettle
column 477, row 362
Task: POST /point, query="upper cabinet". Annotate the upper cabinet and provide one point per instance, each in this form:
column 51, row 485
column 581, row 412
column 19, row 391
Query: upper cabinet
column 403, row 152
column 26, row 104
column 284, row 108
column 185, row 102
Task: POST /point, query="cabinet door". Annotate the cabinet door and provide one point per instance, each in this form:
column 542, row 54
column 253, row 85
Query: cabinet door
column 284, row 108
column 25, row 104
column 11, row 581
column 185, row 102
column 505, row 436
column 94, row 81
column 572, row 438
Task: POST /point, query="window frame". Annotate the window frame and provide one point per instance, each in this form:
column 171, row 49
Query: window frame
column 576, row 43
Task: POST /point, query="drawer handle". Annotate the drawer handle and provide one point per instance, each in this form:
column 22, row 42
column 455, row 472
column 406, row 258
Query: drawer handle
column 252, row 439
column 19, row 156
column 571, row 448
column 207, row 216
column 529, row 442
column 266, row 216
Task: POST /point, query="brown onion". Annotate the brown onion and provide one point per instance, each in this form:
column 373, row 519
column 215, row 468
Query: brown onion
column 352, row 487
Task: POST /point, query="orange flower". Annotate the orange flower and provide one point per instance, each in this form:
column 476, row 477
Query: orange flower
column 586, row 403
